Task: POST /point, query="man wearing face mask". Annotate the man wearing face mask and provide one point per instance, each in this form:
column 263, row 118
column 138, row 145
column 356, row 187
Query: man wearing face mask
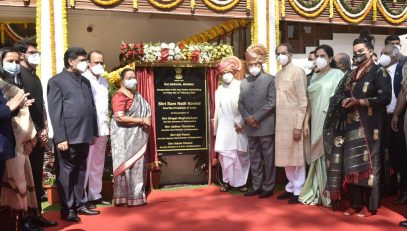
column 310, row 66
column 397, row 153
column 257, row 104
column 29, row 60
column 291, row 105
column 395, row 41
column 343, row 62
column 231, row 140
column 73, row 118
column 96, row 157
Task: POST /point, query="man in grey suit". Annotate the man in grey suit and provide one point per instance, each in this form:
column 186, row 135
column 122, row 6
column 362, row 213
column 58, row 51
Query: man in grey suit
column 257, row 104
column 73, row 118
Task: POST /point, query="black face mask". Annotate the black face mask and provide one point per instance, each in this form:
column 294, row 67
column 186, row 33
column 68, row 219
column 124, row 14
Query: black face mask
column 359, row 58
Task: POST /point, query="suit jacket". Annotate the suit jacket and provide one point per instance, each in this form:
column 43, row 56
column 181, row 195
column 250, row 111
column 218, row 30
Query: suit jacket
column 32, row 84
column 71, row 108
column 398, row 77
column 7, row 140
column 258, row 98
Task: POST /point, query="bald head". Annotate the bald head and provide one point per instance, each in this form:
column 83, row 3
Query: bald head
column 343, row 61
column 391, row 51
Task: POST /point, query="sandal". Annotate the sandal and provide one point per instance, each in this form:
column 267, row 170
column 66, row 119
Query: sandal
column 225, row 188
column 243, row 189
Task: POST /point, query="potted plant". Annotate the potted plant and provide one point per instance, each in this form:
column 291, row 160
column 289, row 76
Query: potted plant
column 50, row 187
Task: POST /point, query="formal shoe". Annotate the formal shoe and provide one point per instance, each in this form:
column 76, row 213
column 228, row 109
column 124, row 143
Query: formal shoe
column 285, row 196
column 366, row 213
column 401, row 200
column 86, row 211
column 293, row 200
column 70, row 216
column 403, row 224
column 44, row 197
column 100, row 202
column 41, row 221
column 265, row 194
column 252, row 193
column 25, row 224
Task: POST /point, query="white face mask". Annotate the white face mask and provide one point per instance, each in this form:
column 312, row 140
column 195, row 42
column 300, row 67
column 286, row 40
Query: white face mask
column 227, row 77
column 282, row 59
column 321, row 63
column 97, row 69
column 310, row 65
column 385, row 60
column 11, row 68
column 82, row 66
column 254, row 70
column 399, row 47
column 34, row 59
column 130, row 83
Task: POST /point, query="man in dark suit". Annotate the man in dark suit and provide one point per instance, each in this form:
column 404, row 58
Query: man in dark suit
column 397, row 153
column 29, row 59
column 73, row 118
column 257, row 103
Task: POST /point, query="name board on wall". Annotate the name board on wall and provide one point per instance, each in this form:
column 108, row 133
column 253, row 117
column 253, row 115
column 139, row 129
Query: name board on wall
column 181, row 109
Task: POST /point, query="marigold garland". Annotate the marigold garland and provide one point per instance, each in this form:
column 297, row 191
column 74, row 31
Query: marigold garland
column 248, row 3
column 64, row 24
column 106, row 2
column 255, row 27
column 52, row 31
column 165, row 5
column 353, row 20
column 374, row 10
column 282, row 8
column 354, row 12
column 71, row 3
column 220, row 8
column 389, row 19
column 38, row 31
column 390, row 12
column 306, row 14
column 193, row 4
column 308, row 6
column 135, row 4
column 331, row 9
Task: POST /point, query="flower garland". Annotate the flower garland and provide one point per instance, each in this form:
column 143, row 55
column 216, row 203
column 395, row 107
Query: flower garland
column 214, row 5
column 52, row 28
column 113, row 78
column 308, row 6
column 38, row 31
column 255, row 24
column 345, row 16
column 268, row 31
column 64, row 24
column 390, row 19
column 72, row 3
column 374, row 11
column 306, row 14
column 106, row 2
column 354, row 12
column 165, row 5
column 248, row 3
column 135, row 4
column 277, row 22
column 282, row 8
column 390, row 12
column 193, row 4
column 331, row 9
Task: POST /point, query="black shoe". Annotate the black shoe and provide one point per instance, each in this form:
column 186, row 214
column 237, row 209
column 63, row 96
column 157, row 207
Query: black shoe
column 265, row 194
column 41, row 221
column 293, row 200
column 91, row 206
column 403, row 224
column 44, row 197
column 285, row 196
column 100, row 202
column 26, row 224
column 252, row 193
column 86, row 211
column 70, row 215
column 401, row 200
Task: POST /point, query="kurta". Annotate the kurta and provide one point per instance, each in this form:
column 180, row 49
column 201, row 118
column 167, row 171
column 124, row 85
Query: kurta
column 231, row 145
column 291, row 104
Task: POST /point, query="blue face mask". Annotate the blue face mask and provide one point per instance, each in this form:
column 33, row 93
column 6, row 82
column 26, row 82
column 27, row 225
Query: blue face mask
column 11, row 68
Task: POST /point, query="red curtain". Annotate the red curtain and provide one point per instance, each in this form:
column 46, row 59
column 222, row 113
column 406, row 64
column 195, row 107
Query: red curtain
column 145, row 86
column 212, row 80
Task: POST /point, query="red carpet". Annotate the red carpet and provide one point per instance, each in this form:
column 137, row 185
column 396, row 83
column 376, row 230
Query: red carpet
column 207, row 209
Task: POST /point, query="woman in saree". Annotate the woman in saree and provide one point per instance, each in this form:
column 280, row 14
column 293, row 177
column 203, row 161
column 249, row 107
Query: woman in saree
column 17, row 191
column 129, row 136
column 354, row 128
column 322, row 86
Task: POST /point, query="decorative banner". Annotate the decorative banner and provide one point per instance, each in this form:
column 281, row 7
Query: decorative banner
column 181, row 109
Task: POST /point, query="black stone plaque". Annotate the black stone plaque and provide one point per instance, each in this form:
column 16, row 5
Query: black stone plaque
column 181, row 109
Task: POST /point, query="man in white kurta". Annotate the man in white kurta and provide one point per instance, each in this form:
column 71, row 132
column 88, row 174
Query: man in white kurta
column 96, row 157
column 231, row 141
column 291, row 104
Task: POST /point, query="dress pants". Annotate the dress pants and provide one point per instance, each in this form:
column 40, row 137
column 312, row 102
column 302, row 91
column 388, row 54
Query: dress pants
column 94, row 169
column 296, row 179
column 70, row 173
column 37, row 163
column 261, row 150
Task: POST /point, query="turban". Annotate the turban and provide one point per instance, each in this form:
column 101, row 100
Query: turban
column 230, row 64
column 256, row 53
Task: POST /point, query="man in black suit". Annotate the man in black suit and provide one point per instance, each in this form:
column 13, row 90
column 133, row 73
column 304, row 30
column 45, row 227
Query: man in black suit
column 29, row 59
column 73, row 118
column 397, row 153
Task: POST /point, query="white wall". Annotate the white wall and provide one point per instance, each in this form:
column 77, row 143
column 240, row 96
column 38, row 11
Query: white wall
column 111, row 28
